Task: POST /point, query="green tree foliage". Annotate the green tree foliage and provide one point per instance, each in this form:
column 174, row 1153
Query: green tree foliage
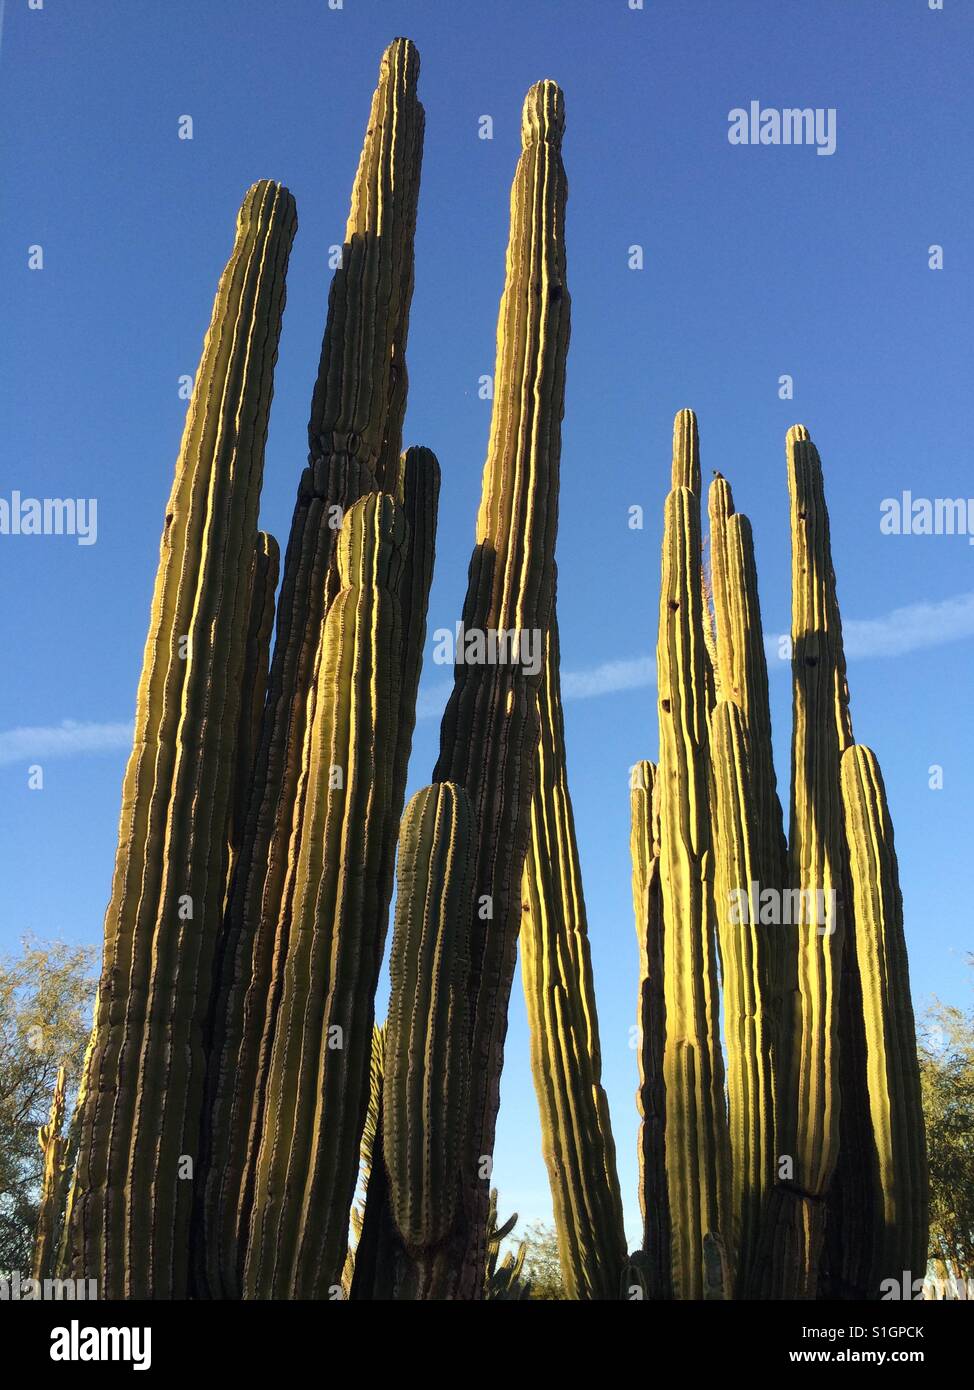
column 46, row 993
column 946, row 1048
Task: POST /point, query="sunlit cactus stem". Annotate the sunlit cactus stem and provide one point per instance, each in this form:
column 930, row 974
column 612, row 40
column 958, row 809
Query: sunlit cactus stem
column 489, row 734
column 142, row 1092
column 559, row 991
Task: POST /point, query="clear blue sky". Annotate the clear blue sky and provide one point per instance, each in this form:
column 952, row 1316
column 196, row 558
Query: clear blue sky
column 758, row 262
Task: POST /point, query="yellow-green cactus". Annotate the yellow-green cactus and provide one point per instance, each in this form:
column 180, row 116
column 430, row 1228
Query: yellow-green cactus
column 425, row 1092
column 745, row 959
column 53, row 1179
column 695, row 1125
column 566, row 1060
column 142, row 1091
column 809, row 1086
column 892, row 1236
column 653, row 1269
column 354, row 435
column 309, row 1113
column 489, row 733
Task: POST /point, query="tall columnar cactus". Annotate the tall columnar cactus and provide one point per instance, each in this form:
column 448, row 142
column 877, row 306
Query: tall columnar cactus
column 354, row 437
column 53, row 1179
column 425, row 1091
column 566, row 1059
column 489, row 733
column 745, row 958
column 316, row 1090
column 742, row 667
column 695, row 1126
column 892, row 1235
column 809, row 1085
column 142, row 1092
column 654, row 1273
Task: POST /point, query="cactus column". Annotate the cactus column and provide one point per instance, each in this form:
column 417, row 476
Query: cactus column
column 566, row 1061
column 696, row 1132
column 354, row 437
column 489, row 734
column 316, row 1089
column 142, row 1092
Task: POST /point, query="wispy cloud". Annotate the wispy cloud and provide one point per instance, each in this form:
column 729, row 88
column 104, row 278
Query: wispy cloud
column 64, row 740
column 903, row 630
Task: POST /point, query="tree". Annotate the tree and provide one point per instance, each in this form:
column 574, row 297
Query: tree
column 946, row 1050
column 541, row 1263
column 46, row 994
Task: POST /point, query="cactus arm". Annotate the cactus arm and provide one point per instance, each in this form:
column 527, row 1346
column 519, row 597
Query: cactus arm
column 355, row 421
column 424, row 1100
column 141, row 1094
column 654, row 1269
column 745, row 973
column 316, row 1091
column 696, row 1136
column 53, row 1183
column 896, row 1227
column 489, row 733
column 559, row 991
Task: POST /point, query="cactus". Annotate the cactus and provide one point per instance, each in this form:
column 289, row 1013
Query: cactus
column 141, row 1094
column 424, row 1100
column 559, row 992
column 652, row 1271
column 745, row 950
column 315, row 1094
column 891, row 1234
column 489, row 733
column 695, row 1123
column 53, row 1181
column 262, row 585
column 353, row 433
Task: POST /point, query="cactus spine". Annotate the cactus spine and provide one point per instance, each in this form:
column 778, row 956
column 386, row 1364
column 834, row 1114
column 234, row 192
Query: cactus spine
column 489, row 733
column 566, row 1059
column 142, row 1090
column 354, row 434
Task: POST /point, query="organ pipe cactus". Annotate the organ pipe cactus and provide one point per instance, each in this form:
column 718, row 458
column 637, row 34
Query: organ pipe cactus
column 354, row 435
column 51, row 1205
column 142, row 1091
column 695, row 1124
column 893, row 1232
column 316, row 1090
column 489, row 734
column 745, row 951
column 654, row 1269
column 425, row 1091
column 566, row 1061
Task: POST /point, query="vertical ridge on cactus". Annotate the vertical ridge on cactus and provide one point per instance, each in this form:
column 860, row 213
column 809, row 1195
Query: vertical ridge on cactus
column 566, row 1057
column 141, row 1094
